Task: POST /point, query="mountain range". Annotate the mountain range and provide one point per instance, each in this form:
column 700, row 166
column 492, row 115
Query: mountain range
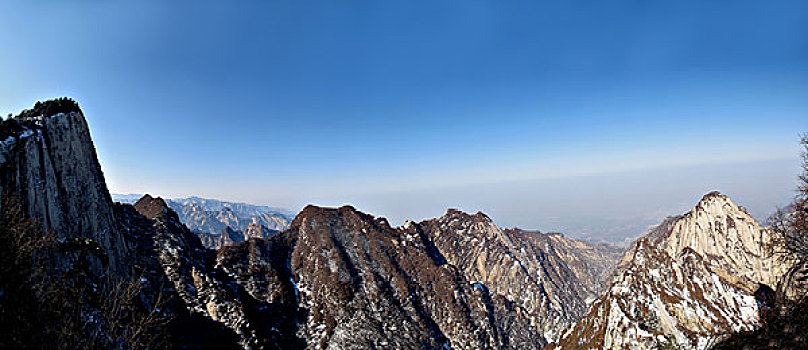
column 230, row 275
column 219, row 222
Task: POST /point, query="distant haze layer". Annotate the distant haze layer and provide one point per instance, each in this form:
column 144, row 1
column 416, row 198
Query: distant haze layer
column 601, row 207
column 607, row 207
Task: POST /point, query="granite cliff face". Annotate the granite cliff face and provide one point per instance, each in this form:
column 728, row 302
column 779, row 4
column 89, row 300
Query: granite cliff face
column 684, row 284
column 48, row 161
column 49, row 167
column 547, row 275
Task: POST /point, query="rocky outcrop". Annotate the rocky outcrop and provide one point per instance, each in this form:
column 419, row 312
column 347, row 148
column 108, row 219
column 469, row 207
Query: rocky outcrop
column 727, row 235
column 188, row 267
column 365, row 284
column 684, row 284
column 172, row 267
column 547, row 275
column 49, row 162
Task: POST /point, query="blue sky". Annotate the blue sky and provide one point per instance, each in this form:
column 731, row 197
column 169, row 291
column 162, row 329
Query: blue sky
column 290, row 102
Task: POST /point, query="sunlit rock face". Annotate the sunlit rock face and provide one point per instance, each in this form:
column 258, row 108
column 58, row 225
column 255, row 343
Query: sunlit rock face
column 686, row 283
column 548, row 276
column 49, row 163
column 732, row 241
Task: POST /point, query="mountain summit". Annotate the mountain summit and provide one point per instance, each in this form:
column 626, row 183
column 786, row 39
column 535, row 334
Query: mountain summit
column 684, row 283
column 48, row 162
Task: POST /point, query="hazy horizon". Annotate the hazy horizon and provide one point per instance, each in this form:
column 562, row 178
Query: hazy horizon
column 545, row 204
column 545, row 115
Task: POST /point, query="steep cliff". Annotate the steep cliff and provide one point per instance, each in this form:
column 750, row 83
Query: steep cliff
column 684, row 284
column 103, row 280
column 48, row 161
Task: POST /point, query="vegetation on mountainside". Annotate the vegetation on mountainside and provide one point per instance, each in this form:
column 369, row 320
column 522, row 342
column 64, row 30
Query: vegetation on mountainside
column 52, row 107
column 790, row 226
column 13, row 126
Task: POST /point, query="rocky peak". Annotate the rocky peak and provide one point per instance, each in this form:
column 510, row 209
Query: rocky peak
column 353, row 270
column 474, row 226
column 684, row 282
column 351, row 219
column 452, row 214
column 49, row 162
column 152, row 207
column 718, row 229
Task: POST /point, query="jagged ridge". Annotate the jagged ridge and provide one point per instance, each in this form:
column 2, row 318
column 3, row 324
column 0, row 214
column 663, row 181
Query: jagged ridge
column 685, row 283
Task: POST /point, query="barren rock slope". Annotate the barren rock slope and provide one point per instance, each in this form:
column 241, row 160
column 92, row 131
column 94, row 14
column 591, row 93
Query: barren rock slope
column 684, row 284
